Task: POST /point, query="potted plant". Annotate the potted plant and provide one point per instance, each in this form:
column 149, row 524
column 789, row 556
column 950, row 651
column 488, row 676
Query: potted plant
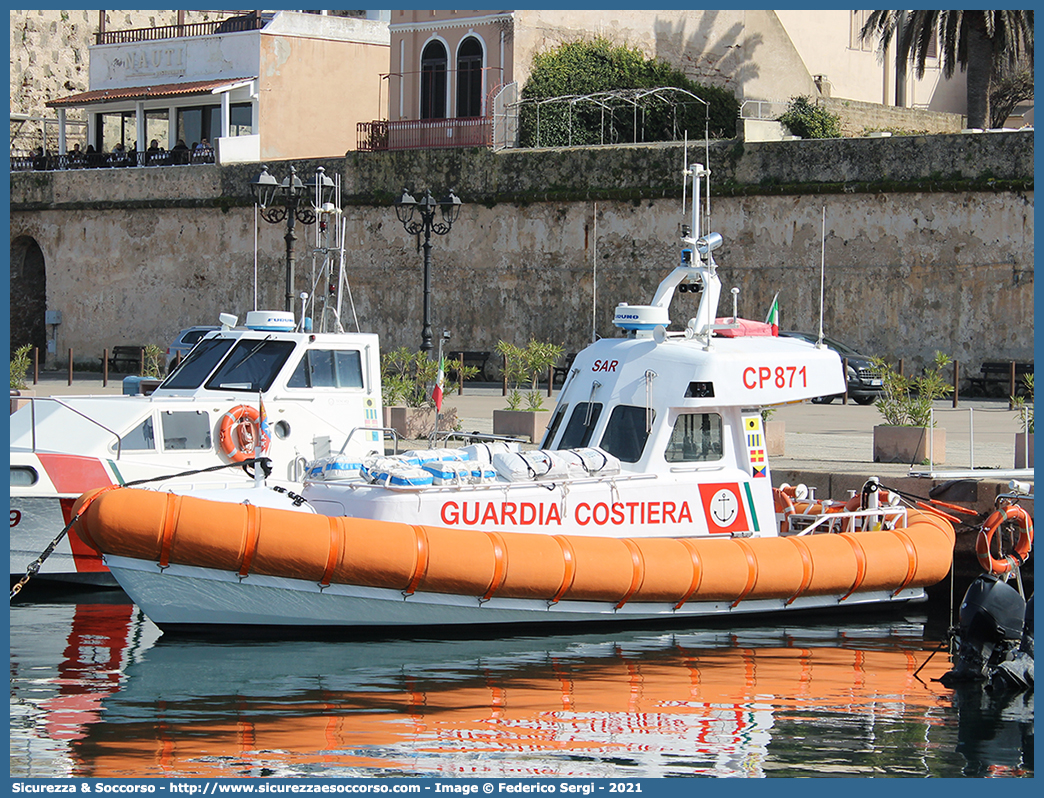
column 407, row 382
column 908, row 434
column 19, row 370
column 525, row 365
column 1024, row 439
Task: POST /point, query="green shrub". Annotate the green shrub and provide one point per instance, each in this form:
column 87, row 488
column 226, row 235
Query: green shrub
column 20, row 367
column 589, row 66
column 525, row 365
column 907, row 401
column 153, row 365
column 1024, row 404
column 408, row 377
column 810, row 121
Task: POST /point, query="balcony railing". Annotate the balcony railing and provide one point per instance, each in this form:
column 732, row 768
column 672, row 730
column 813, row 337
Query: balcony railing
column 425, row 134
column 242, row 22
column 29, row 162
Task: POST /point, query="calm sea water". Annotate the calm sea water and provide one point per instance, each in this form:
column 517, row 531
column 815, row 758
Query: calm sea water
column 97, row 691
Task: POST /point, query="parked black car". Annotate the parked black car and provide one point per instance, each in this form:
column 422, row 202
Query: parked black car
column 864, row 381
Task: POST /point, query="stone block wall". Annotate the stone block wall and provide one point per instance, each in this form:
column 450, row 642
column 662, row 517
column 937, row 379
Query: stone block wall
column 859, row 117
column 928, row 243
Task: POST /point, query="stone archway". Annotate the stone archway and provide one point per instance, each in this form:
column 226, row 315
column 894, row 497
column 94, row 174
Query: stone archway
column 28, row 294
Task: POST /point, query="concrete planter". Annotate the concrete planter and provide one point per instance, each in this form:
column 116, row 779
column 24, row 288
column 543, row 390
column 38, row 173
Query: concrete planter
column 775, row 438
column 909, row 444
column 1024, row 450
column 20, row 398
column 415, row 423
column 521, row 423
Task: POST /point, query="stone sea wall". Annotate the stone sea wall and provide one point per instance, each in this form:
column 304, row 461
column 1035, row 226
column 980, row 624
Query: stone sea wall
column 928, row 243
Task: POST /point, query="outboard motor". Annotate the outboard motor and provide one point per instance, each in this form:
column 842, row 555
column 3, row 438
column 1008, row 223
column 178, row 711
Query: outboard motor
column 992, row 617
column 1016, row 674
column 995, row 724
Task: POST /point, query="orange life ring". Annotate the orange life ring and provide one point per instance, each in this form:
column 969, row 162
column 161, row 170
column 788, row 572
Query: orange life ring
column 785, row 505
column 237, row 435
column 1023, row 544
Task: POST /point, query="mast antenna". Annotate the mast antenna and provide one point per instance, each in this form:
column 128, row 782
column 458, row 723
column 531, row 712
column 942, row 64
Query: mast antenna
column 685, row 176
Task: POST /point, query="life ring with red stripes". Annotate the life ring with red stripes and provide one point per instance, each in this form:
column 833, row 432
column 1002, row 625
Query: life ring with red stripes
column 240, row 435
column 1023, row 544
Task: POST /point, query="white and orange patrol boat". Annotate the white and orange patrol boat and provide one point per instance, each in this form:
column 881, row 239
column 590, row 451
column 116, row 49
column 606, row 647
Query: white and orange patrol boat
column 650, row 498
column 262, row 389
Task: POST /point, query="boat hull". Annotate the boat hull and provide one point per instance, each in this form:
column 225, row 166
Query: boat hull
column 190, row 561
column 182, row 598
column 35, row 522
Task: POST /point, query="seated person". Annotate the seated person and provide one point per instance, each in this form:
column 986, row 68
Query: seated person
column 153, row 152
column 180, row 152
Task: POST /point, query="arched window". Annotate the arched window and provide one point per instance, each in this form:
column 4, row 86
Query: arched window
column 469, row 78
column 433, row 81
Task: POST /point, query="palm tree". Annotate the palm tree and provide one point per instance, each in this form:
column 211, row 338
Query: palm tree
column 980, row 42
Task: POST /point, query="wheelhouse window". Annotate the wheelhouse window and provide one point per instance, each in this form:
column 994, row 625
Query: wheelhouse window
column 469, row 78
column 252, row 365
column 556, row 421
column 328, row 368
column 696, row 438
column 141, row 438
column 627, row 431
column 433, row 81
column 185, row 430
column 199, row 364
column 581, row 425
column 23, row 476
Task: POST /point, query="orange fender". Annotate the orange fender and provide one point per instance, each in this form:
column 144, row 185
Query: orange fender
column 244, row 539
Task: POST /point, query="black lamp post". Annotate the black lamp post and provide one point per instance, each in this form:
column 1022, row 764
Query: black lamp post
column 281, row 201
column 405, row 209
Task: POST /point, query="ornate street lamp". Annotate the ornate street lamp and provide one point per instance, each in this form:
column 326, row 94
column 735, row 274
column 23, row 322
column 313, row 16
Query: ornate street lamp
column 405, row 209
column 279, row 201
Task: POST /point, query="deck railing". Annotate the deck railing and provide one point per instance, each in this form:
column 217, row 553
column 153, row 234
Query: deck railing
column 30, row 162
column 243, row 22
column 425, row 134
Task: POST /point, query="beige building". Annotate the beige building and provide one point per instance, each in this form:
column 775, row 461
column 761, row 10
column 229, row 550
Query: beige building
column 448, row 66
column 255, row 86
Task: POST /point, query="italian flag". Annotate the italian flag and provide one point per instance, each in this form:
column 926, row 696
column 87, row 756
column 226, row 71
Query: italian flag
column 773, row 314
column 436, row 394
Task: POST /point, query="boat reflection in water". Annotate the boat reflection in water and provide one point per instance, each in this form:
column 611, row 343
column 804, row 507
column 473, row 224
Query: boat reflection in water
column 748, row 701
